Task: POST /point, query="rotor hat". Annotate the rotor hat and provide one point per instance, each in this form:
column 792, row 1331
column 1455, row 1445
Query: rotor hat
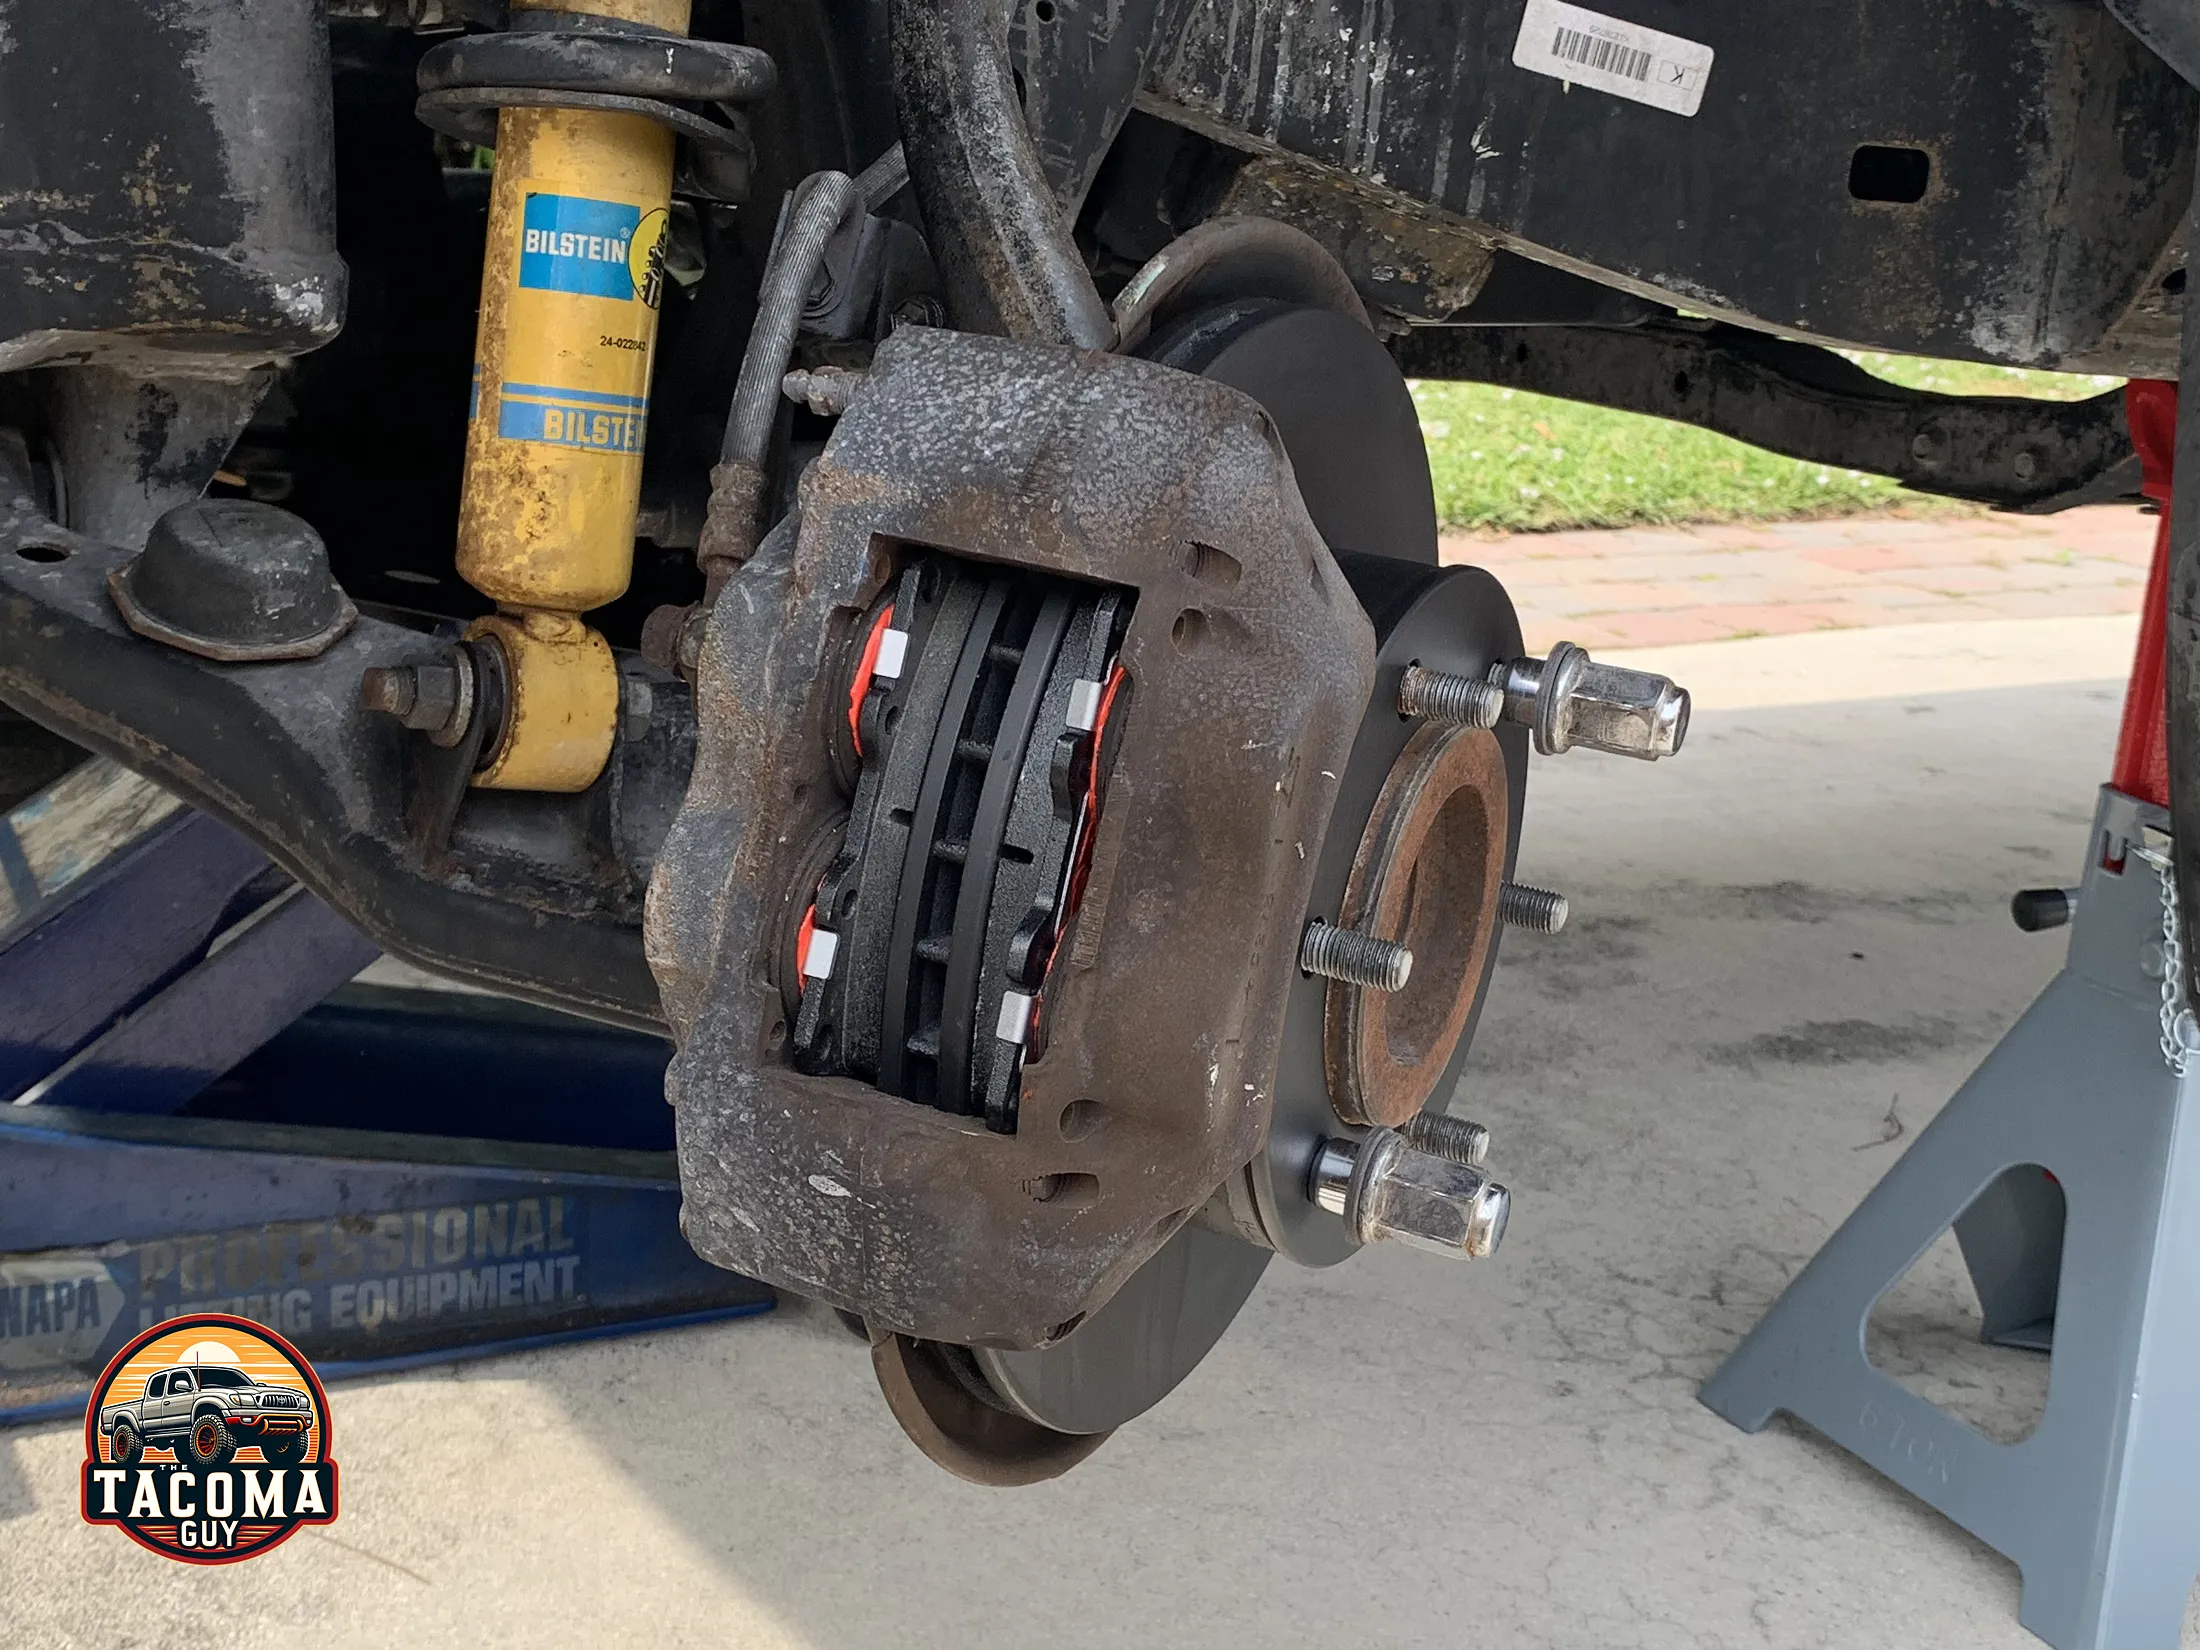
column 236, row 581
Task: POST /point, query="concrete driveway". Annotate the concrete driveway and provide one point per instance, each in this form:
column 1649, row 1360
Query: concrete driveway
column 1788, row 947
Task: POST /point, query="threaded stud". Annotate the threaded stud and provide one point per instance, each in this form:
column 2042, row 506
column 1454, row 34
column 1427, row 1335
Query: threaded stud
column 1354, row 958
column 391, row 689
column 435, row 699
column 1453, row 1139
column 826, row 391
column 1536, row 909
column 1439, row 696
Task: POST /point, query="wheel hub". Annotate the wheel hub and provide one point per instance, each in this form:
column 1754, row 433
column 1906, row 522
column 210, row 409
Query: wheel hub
column 1428, row 870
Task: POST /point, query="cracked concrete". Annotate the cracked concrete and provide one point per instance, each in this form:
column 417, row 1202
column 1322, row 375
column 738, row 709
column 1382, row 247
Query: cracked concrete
column 1397, row 1452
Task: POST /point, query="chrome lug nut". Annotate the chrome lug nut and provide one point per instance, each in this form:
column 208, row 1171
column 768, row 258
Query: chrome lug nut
column 1453, row 1139
column 1440, row 696
column 1355, row 958
column 1536, row 909
column 1569, row 699
column 1385, row 1189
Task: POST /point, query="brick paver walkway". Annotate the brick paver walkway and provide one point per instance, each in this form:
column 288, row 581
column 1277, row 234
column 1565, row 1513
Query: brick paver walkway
column 1646, row 587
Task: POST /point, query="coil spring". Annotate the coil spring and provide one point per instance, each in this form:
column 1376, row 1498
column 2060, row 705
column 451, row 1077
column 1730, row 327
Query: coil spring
column 557, row 60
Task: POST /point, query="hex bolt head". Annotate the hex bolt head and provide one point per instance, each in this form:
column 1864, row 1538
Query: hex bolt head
column 1538, row 910
column 1387, row 1190
column 1354, row 958
column 1439, row 696
column 1569, row 699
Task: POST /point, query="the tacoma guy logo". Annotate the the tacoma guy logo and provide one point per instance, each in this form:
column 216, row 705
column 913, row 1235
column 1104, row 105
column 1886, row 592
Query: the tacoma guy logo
column 207, row 1440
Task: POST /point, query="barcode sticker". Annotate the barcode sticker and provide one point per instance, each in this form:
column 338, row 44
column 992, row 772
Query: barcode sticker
column 1586, row 48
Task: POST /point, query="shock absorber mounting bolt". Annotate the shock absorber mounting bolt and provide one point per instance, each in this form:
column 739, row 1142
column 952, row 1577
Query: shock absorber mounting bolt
column 436, row 698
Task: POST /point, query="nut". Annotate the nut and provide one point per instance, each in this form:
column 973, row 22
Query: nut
column 1386, row 1189
column 1569, row 699
column 435, row 699
column 1627, row 712
column 1418, row 1198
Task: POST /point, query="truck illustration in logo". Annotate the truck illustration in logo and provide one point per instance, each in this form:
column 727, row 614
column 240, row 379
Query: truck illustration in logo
column 203, row 1412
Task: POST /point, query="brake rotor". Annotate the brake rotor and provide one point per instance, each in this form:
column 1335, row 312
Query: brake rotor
column 1341, row 406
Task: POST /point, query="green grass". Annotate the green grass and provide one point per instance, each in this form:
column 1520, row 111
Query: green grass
column 1508, row 461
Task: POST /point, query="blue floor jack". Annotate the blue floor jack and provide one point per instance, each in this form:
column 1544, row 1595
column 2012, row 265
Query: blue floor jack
column 208, row 1116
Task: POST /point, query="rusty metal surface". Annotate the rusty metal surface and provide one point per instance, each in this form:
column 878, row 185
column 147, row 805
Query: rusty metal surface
column 1003, row 249
column 1405, row 258
column 538, row 895
column 2061, row 155
column 1427, row 873
column 167, row 183
column 1249, row 661
column 2013, row 452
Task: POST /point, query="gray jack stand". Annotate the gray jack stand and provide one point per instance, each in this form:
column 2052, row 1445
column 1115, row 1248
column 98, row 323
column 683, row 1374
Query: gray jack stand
column 2100, row 1506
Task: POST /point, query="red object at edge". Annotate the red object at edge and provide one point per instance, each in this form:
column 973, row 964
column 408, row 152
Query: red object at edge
column 2142, row 744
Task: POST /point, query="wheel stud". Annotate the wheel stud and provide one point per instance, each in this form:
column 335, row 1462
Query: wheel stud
column 1354, row 958
column 1453, row 1139
column 1460, row 701
column 1536, row 909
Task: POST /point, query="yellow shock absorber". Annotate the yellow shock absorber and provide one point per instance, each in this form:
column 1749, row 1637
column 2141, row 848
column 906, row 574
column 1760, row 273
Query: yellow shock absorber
column 569, row 297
